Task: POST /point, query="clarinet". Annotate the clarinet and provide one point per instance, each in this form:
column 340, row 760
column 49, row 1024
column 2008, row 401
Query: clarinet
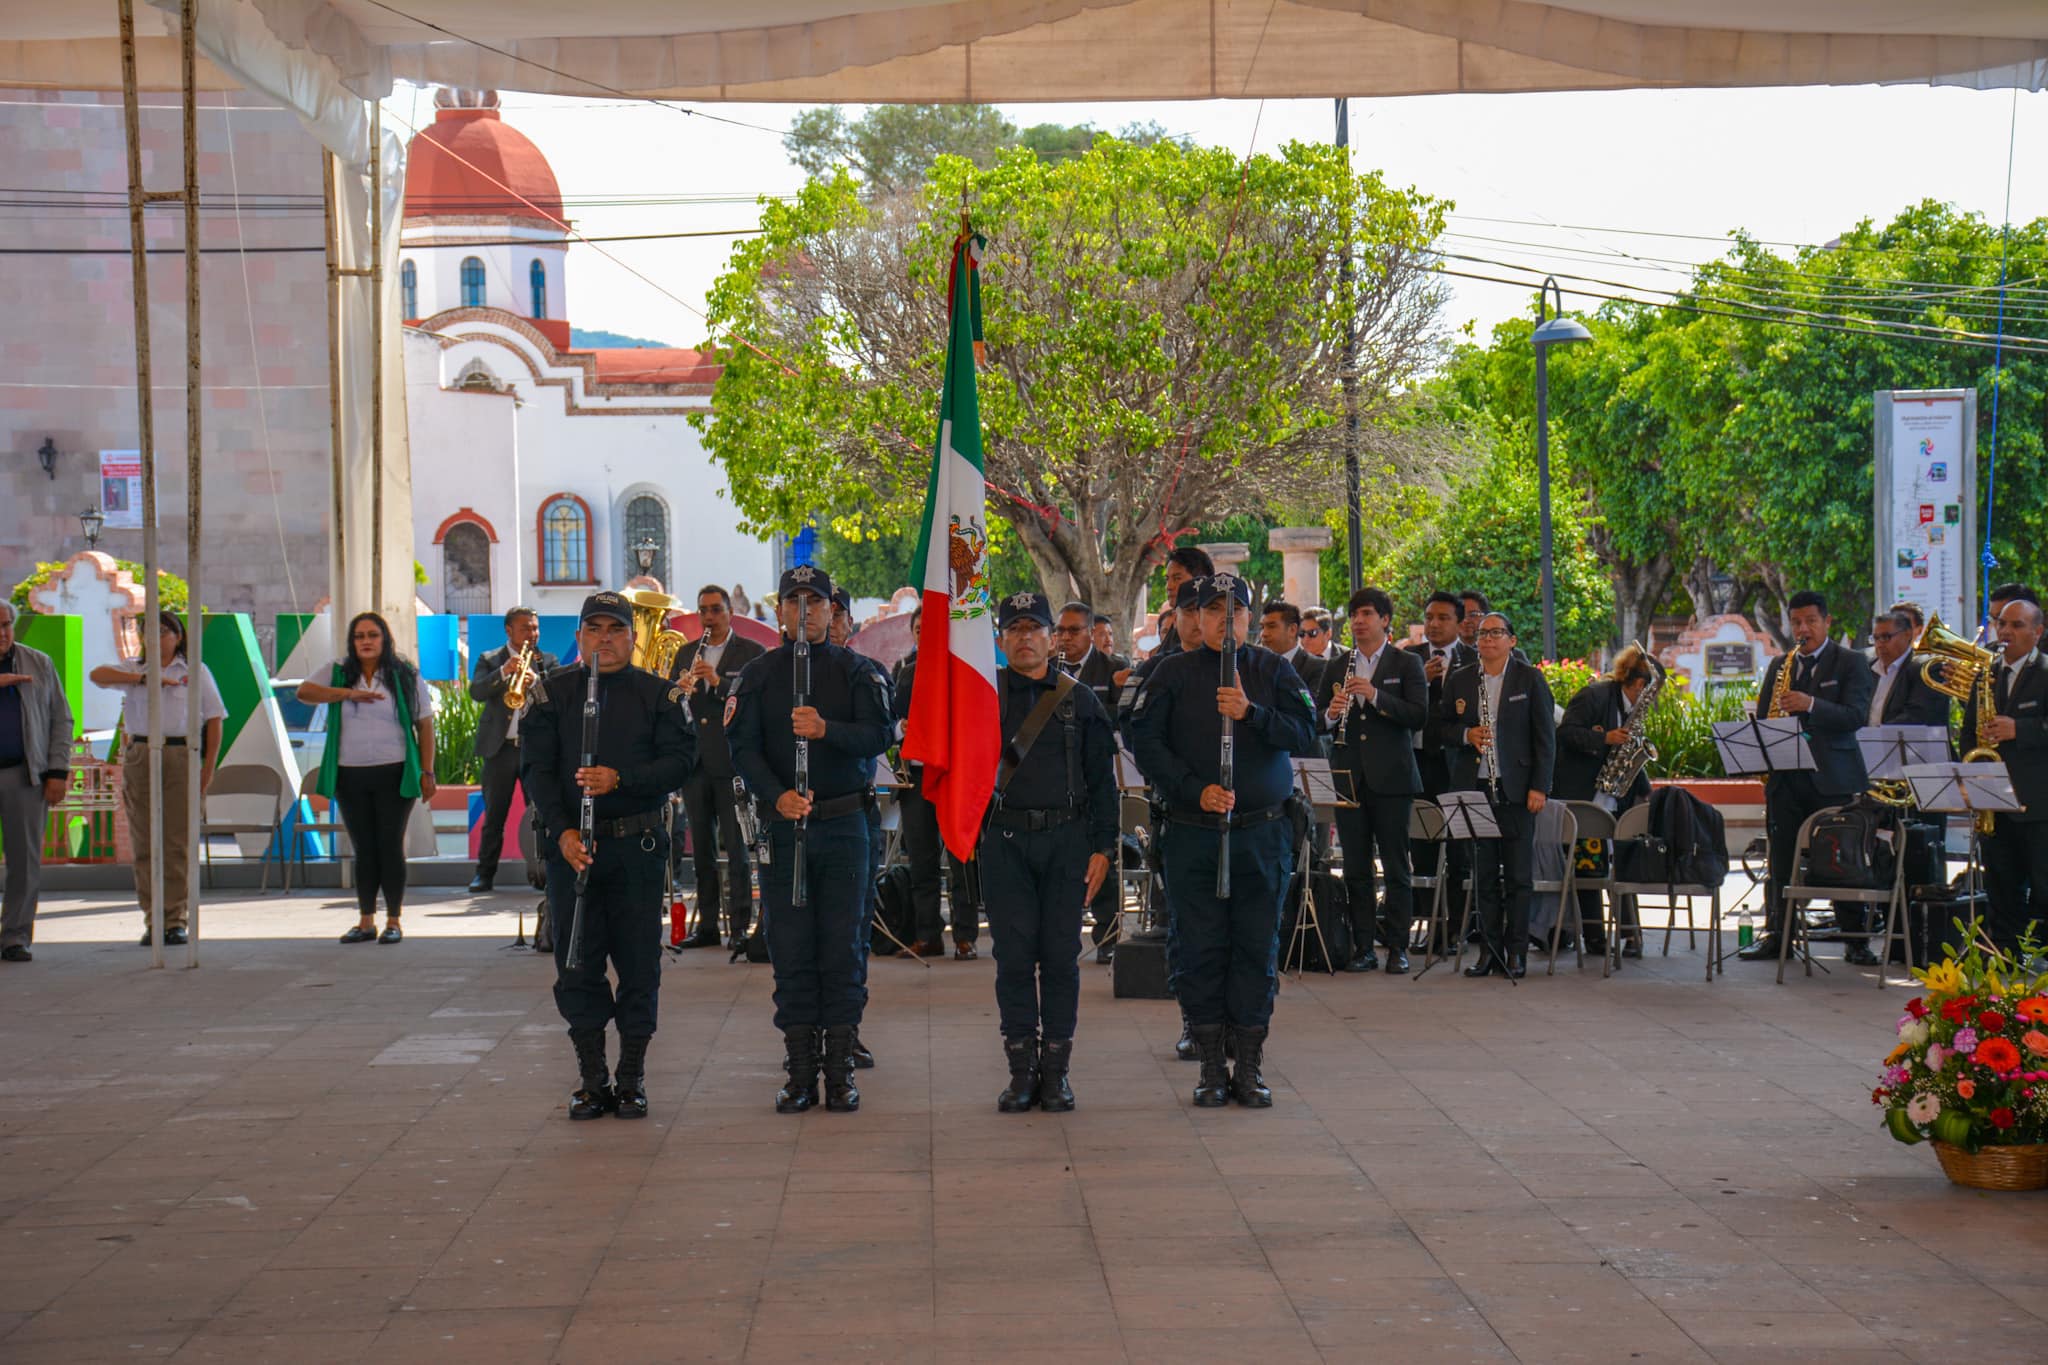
column 1489, row 763
column 799, row 892
column 1226, row 764
column 586, row 822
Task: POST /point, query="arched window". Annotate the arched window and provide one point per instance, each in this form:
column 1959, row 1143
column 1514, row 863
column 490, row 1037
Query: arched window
column 408, row 290
column 645, row 522
column 537, row 276
column 564, row 540
column 472, row 282
column 466, row 570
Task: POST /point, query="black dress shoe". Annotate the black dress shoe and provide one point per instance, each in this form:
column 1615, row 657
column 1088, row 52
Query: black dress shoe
column 174, row 938
column 15, row 952
column 1397, row 963
column 478, row 885
column 1364, row 962
column 863, row 1060
column 703, row 938
column 1634, row 948
column 144, row 941
column 1518, row 967
column 358, row 934
column 392, row 933
column 1858, row 954
column 1765, row 949
column 1483, row 967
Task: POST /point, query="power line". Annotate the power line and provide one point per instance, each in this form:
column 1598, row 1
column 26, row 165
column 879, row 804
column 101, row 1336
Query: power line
column 416, row 246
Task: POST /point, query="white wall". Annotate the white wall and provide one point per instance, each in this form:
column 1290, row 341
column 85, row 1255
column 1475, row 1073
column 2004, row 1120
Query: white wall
column 469, row 451
column 505, row 272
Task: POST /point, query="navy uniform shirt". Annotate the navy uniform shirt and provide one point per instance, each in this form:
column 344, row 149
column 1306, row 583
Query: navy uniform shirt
column 1042, row 781
column 1177, row 732
column 851, row 694
column 642, row 733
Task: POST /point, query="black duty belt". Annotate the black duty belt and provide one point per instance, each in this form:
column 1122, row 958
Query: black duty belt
column 170, row 741
column 1236, row 819
column 1005, row 818
column 627, row 825
column 832, row 807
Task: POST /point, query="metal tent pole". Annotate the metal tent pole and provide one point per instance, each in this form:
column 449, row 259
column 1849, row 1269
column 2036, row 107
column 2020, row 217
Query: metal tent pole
column 195, row 616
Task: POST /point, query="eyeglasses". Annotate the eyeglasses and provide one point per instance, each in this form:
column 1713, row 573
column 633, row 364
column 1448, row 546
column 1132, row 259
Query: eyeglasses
column 1493, row 633
column 1070, row 630
column 1885, row 637
column 1311, row 633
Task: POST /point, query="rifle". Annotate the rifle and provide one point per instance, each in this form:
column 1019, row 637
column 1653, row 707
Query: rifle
column 1226, row 766
column 799, row 891
column 586, row 822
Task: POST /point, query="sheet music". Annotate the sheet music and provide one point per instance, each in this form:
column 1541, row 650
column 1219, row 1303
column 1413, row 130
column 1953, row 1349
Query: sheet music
column 1889, row 749
column 1314, row 779
column 1468, row 815
column 1774, row 744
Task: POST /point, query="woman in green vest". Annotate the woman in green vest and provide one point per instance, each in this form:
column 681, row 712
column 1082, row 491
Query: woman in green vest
column 379, row 759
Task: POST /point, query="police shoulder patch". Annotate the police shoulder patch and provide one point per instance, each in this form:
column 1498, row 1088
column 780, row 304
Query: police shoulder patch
column 1461, row 706
column 732, row 706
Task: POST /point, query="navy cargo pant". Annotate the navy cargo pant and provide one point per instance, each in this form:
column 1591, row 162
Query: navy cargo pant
column 1033, row 884
column 1228, row 948
column 623, row 920
column 818, row 949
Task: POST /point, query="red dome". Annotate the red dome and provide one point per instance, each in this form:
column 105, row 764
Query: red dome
column 499, row 173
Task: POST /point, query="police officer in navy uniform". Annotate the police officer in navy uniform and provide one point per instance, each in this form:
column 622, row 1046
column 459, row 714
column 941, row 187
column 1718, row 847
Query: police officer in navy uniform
column 1047, row 850
column 1228, row 946
column 817, row 947
column 645, row 750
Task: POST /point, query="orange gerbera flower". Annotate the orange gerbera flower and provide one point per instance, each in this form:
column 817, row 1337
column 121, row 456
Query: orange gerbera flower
column 2033, row 1009
column 2036, row 1041
column 1996, row 1053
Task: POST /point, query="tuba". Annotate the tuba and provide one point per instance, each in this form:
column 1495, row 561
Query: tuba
column 654, row 644
column 1959, row 668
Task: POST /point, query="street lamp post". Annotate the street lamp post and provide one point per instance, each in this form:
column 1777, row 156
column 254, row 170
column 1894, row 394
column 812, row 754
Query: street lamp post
column 1550, row 331
column 90, row 521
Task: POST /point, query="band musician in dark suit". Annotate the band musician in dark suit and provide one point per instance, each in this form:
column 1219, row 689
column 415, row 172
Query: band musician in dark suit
column 2016, row 851
column 1073, row 639
column 497, row 731
column 1829, row 691
column 1499, row 727
column 1594, row 726
column 708, row 666
column 1901, row 696
column 1441, row 652
column 1374, row 701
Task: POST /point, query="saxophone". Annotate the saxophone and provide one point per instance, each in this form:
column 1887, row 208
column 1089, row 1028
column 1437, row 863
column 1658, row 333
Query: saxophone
column 1627, row 759
column 1781, row 686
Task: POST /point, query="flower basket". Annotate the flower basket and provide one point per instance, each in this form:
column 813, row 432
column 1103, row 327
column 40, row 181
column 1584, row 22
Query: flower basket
column 1996, row 1168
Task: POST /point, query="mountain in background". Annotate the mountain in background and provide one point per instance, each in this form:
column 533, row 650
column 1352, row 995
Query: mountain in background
column 599, row 341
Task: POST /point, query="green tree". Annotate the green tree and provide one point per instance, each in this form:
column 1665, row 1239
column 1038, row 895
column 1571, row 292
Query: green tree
column 1162, row 326
column 891, row 147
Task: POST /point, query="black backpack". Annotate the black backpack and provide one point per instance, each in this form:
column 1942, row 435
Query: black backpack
column 1855, row 845
column 1332, row 950
column 1686, row 843
column 893, row 908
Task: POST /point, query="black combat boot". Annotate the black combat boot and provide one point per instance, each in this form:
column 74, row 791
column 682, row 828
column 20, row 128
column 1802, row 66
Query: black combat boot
column 1022, row 1053
column 631, row 1092
column 840, row 1095
column 1055, row 1096
column 800, row 1060
column 1247, row 1086
column 863, row 1059
column 1212, row 1090
column 1185, row 1048
column 594, row 1099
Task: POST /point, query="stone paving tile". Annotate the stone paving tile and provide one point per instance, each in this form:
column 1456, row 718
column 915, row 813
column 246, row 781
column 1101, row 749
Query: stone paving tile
column 300, row 1155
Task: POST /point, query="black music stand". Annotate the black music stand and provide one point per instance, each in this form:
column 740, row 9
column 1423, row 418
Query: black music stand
column 1888, row 750
column 1957, row 787
column 1318, row 786
column 1468, row 817
column 1773, row 744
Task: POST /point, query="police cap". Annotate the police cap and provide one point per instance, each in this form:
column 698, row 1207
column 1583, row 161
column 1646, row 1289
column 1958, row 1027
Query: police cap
column 1218, row 586
column 607, row 604
column 1024, row 606
column 805, row 578
column 1190, row 594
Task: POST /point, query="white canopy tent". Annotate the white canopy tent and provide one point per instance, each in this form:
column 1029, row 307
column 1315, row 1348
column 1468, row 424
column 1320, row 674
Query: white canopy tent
column 329, row 61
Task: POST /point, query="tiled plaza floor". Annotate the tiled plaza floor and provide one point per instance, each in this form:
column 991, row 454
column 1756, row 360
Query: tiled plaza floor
column 308, row 1153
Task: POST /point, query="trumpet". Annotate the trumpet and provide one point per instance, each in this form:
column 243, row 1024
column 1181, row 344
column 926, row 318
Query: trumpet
column 522, row 681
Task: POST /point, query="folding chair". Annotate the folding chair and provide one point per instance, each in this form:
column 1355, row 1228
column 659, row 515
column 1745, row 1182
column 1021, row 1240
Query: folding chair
column 331, row 826
column 1426, row 826
column 1591, row 823
column 246, row 779
column 1634, row 827
column 1801, row 893
column 1556, row 825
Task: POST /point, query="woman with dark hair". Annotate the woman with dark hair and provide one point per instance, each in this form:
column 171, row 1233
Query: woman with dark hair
column 132, row 682
column 379, row 759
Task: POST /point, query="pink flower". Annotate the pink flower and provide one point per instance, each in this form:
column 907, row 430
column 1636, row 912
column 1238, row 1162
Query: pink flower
column 2036, row 1042
column 1937, row 1056
column 1967, row 1088
column 1923, row 1108
column 1965, row 1040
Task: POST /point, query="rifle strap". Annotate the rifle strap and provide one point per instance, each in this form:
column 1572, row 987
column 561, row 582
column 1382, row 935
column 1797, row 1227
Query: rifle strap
column 1027, row 734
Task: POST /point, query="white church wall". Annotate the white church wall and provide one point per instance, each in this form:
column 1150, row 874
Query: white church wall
column 438, row 270
column 465, row 456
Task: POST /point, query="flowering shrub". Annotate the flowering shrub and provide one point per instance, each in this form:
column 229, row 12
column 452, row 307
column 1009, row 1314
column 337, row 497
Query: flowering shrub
column 1567, row 677
column 1971, row 1064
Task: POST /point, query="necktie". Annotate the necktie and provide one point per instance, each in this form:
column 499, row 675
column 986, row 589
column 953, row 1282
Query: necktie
column 1804, row 671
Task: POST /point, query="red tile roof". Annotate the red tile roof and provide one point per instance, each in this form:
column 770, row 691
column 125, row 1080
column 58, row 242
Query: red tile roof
column 653, row 365
column 499, row 173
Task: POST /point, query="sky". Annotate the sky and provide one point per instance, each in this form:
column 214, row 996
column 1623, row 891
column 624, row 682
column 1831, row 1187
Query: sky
column 1626, row 187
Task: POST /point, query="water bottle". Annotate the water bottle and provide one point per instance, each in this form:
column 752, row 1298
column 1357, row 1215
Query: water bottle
column 678, row 922
column 1745, row 928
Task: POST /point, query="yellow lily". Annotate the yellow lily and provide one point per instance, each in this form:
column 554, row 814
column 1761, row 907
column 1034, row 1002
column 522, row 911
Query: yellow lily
column 1942, row 980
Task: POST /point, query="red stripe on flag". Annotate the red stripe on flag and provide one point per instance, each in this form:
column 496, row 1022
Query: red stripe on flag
column 954, row 730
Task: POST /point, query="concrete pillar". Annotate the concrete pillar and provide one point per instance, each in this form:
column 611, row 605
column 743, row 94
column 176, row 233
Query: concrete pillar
column 1227, row 554
column 1299, row 547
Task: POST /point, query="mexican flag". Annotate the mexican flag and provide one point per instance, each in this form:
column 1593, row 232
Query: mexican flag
column 954, row 727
